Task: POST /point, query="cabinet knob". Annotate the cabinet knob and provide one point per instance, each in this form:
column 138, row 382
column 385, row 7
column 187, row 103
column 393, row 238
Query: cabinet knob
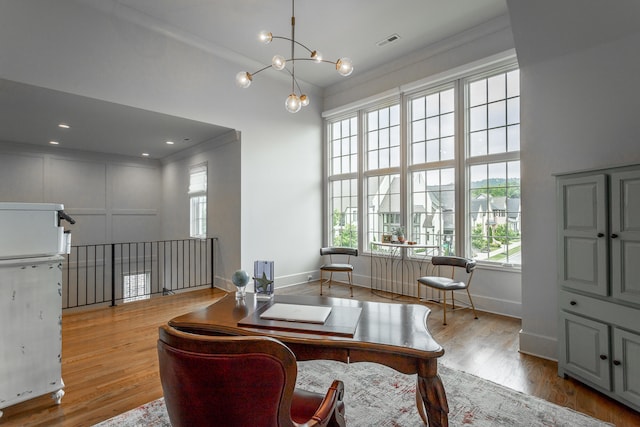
column 600, row 234
column 603, row 357
column 616, row 362
column 573, row 303
column 614, row 236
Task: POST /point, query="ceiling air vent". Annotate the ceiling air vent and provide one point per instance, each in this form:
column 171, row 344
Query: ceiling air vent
column 392, row 38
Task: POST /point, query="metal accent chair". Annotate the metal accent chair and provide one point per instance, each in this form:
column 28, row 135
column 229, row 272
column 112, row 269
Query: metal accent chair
column 450, row 283
column 238, row 382
column 336, row 267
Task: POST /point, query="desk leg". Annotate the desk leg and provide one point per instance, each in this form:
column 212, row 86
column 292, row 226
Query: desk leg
column 430, row 395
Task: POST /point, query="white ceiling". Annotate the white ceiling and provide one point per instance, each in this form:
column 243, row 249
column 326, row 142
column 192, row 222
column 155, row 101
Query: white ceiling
column 31, row 115
column 229, row 28
column 336, row 28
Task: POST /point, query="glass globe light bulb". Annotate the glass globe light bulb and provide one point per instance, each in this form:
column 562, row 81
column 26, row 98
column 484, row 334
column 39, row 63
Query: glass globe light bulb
column 344, row 66
column 265, row 37
column 316, row 56
column 293, row 103
column 243, row 79
column 278, row 62
column 304, row 100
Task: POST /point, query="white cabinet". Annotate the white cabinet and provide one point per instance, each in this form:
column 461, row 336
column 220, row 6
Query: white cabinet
column 31, row 333
column 599, row 280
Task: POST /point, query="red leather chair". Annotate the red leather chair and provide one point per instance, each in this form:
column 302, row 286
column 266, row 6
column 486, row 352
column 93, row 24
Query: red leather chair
column 239, row 381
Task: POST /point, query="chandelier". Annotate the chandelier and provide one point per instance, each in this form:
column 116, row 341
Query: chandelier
column 296, row 100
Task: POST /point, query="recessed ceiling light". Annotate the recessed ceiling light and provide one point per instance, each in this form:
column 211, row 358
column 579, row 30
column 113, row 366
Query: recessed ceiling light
column 145, row 154
column 170, row 142
column 54, row 142
column 64, row 126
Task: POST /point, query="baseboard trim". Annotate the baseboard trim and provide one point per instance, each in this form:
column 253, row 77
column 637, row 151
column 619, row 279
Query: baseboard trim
column 482, row 303
column 538, row 345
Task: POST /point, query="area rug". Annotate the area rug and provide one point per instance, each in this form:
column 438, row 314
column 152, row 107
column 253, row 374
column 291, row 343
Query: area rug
column 376, row 395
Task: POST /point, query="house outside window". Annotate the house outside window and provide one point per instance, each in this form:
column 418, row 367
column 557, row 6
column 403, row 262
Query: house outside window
column 432, row 167
column 383, row 185
column 198, row 201
column 443, row 160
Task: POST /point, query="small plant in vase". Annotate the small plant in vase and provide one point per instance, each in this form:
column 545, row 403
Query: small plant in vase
column 399, row 233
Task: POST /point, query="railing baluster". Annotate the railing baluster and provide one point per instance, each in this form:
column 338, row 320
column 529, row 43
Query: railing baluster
column 168, row 256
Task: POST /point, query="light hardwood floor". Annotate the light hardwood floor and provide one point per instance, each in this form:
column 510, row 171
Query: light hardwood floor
column 110, row 362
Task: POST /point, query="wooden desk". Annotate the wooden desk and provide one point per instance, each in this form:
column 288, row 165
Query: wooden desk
column 394, row 335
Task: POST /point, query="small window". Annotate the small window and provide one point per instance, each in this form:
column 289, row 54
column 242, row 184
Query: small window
column 136, row 287
column 198, row 201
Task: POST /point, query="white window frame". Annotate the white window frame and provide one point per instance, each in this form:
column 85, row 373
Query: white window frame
column 136, row 286
column 462, row 162
column 197, row 191
column 343, row 176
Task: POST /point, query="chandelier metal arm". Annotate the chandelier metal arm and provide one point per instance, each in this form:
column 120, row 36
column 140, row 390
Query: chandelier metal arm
column 293, row 77
column 261, row 69
column 312, row 59
column 294, row 41
column 292, row 60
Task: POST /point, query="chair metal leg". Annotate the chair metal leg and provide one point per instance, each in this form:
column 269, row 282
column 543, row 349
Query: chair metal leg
column 350, row 283
column 321, row 281
column 475, row 316
column 444, row 308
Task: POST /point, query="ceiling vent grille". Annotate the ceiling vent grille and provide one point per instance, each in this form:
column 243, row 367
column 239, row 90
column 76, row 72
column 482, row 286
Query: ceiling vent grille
column 391, row 39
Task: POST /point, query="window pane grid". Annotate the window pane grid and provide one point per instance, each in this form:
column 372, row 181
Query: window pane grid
column 494, row 114
column 383, row 138
column 343, row 191
column 136, row 287
column 343, row 205
column 344, row 146
column 198, row 201
column 198, row 216
column 432, row 127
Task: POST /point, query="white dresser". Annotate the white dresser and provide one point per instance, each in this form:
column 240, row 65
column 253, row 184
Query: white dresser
column 31, row 241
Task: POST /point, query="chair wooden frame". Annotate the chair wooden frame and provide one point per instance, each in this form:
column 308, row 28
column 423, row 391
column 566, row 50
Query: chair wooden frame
column 335, row 267
column 182, row 400
column 444, row 283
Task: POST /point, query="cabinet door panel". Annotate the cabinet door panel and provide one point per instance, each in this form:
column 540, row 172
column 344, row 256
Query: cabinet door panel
column 584, row 349
column 582, row 228
column 625, row 236
column 626, row 356
column 581, row 261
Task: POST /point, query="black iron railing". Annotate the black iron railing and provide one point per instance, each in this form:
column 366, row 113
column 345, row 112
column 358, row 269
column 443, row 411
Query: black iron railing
column 122, row 272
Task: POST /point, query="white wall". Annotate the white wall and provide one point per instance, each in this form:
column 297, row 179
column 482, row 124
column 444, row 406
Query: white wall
column 112, row 198
column 67, row 46
column 222, row 157
column 580, row 99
